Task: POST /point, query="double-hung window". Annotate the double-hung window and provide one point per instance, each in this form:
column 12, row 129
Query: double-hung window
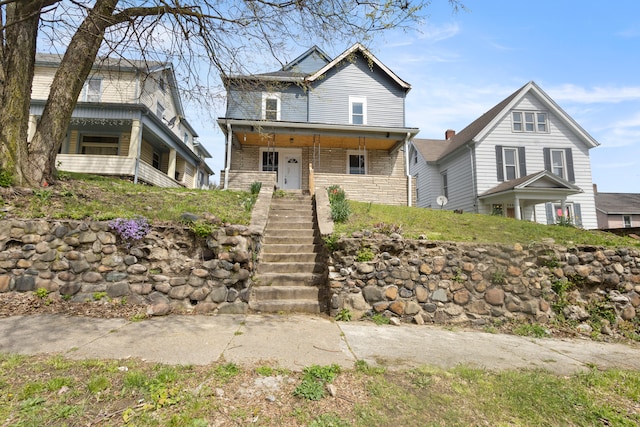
column 558, row 163
column 159, row 110
column 510, row 158
column 529, row 121
column 357, row 110
column 445, row 184
column 271, row 106
column 626, row 220
column 92, row 90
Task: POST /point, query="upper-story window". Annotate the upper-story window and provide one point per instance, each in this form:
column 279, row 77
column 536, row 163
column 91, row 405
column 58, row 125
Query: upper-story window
column 529, row 121
column 414, row 155
column 92, row 90
column 185, row 138
column 558, row 163
column 270, row 106
column 159, row 110
column 357, row 110
column 510, row 158
column 162, row 84
column 626, row 220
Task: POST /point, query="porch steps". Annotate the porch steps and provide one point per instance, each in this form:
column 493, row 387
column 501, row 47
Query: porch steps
column 291, row 267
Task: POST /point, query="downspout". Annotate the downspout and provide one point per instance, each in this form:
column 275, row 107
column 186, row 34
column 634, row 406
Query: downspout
column 406, row 169
column 228, row 157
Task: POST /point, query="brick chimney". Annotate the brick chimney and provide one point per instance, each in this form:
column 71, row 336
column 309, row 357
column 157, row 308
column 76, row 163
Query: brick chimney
column 449, row 133
column 595, row 188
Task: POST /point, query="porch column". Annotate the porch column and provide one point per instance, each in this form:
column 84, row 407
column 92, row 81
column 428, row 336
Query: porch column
column 135, row 147
column 516, row 207
column 171, row 170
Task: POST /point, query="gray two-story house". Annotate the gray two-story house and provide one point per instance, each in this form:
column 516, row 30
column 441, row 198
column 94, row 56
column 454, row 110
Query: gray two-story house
column 317, row 122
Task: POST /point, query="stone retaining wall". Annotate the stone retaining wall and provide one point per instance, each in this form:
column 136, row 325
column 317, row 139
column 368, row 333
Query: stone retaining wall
column 425, row 281
column 170, row 269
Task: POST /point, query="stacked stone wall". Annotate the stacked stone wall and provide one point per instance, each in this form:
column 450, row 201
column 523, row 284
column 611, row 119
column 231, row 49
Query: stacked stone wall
column 169, row 269
column 439, row 282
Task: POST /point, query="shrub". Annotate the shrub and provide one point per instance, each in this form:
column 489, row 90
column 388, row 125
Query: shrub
column 365, row 255
column 255, row 187
column 343, row 315
column 340, row 211
column 336, row 194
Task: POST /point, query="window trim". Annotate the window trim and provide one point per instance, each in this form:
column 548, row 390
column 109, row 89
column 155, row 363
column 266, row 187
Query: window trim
column 520, row 125
column 515, row 165
column 358, row 100
column 444, row 184
column 85, row 89
column 160, row 110
column 564, row 162
column 270, row 95
column 357, row 153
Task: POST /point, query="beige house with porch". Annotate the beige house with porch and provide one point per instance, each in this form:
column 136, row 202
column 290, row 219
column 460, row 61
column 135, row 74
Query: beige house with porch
column 129, row 122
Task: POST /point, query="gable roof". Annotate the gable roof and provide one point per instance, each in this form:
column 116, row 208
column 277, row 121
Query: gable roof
column 365, row 52
column 430, row 149
column 478, row 129
column 314, row 50
column 288, row 74
column 618, row 203
column 532, row 182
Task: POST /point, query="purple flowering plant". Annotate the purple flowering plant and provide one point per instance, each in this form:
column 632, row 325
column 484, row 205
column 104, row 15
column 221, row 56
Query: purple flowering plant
column 131, row 229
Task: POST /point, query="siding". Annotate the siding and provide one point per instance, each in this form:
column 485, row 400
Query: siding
column 248, row 104
column 559, row 136
column 329, row 97
column 460, row 183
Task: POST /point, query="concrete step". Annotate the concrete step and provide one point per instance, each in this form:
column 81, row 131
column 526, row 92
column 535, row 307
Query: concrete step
column 266, row 293
column 290, row 267
column 289, row 257
column 297, row 238
column 289, row 225
column 290, row 279
column 288, row 216
column 287, row 306
column 291, row 248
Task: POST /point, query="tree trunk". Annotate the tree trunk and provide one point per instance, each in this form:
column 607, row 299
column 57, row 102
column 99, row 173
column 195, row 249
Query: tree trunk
column 17, row 61
column 65, row 89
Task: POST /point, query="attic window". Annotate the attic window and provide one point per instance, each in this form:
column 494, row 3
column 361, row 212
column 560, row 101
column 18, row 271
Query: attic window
column 162, row 85
column 529, row 121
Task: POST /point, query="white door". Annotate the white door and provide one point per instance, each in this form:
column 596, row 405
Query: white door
column 292, row 171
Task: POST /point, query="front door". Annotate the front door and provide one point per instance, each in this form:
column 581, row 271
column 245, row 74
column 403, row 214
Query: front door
column 292, row 169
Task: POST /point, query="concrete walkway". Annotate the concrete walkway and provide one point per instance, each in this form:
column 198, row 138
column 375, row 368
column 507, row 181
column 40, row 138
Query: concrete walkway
column 296, row 341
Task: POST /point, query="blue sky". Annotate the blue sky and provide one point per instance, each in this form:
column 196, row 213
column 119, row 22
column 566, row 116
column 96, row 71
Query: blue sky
column 584, row 54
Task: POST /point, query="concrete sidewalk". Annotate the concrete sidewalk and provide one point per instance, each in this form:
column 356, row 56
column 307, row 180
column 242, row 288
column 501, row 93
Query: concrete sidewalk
column 296, row 341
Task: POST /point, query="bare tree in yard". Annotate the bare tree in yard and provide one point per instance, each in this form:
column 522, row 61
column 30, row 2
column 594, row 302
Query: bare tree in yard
column 222, row 34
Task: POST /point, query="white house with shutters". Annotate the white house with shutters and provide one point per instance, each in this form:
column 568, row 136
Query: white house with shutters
column 525, row 158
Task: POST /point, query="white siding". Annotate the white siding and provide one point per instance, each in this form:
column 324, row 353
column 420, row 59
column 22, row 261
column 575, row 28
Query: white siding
column 329, row 98
column 460, row 182
column 559, row 136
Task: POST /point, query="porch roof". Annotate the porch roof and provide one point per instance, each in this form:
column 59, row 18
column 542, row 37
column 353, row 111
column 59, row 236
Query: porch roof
column 304, row 134
column 538, row 187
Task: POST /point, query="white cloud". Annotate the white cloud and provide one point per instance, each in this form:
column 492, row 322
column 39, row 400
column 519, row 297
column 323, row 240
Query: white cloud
column 436, row 33
column 574, row 93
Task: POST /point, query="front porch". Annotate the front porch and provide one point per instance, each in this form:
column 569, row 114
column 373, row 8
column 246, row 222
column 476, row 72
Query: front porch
column 367, row 162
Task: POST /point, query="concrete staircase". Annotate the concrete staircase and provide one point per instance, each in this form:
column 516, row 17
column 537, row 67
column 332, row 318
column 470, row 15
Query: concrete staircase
column 291, row 274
